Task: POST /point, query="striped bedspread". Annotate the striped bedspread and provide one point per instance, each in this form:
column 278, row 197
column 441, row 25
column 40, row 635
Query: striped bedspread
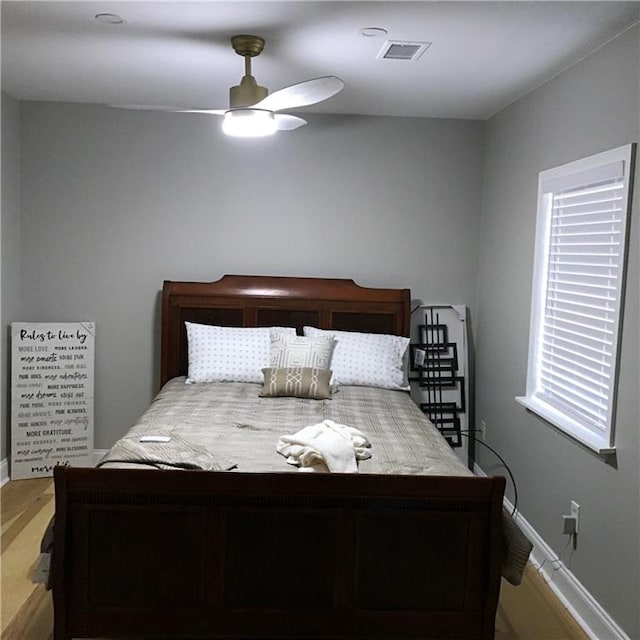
column 233, row 423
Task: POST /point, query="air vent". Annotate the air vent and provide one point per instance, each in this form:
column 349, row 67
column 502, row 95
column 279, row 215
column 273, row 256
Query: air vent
column 401, row 50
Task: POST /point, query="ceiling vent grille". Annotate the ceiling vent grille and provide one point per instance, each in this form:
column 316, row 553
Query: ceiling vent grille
column 401, row 50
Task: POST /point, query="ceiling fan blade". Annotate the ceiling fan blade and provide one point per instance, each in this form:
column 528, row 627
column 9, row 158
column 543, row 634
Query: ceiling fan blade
column 212, row 112
column 286, row 122
column 301, row 94
column 143, row 107
column 150, row 107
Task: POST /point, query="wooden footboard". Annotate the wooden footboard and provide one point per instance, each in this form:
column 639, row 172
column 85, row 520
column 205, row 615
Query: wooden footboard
column 191, row 554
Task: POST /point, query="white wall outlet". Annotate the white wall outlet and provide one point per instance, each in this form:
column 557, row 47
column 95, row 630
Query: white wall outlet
column 575, row 513
column 483, row 430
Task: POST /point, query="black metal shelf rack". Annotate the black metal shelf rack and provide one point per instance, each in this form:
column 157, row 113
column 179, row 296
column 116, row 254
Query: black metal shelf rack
column 436, row 369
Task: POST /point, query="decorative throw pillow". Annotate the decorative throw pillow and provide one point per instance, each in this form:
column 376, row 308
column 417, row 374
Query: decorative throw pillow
column 228, row 354
column 367, row 359
column 288, row 350
column 297, row 382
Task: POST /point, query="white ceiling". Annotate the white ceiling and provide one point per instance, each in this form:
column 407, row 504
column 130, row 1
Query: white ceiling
column 484, row 55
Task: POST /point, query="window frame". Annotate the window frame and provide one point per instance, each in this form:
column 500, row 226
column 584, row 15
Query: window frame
column 598, row 438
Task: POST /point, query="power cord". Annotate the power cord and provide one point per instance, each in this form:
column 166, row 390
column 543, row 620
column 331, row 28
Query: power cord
column 468, row 433
column 557, row 562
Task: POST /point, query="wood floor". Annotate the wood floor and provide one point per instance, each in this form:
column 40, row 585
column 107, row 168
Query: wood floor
column 527, row 612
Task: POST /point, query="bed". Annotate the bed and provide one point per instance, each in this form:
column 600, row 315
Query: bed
column 231, row 540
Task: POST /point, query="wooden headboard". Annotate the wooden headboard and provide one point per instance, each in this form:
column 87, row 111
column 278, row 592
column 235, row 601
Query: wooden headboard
column 264, row 301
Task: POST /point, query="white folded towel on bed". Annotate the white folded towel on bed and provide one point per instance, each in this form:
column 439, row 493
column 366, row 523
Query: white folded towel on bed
column 326, row 446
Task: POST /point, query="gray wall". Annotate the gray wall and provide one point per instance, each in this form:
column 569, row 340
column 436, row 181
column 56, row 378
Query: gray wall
column 592, row 107
column 10, row 296
column 114, row 202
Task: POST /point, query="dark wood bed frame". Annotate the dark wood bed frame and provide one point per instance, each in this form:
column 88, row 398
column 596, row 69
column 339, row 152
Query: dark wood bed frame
column 194, row 554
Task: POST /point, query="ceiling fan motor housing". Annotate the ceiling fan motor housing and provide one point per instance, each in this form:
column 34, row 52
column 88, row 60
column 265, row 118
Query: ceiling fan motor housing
column 247, row 93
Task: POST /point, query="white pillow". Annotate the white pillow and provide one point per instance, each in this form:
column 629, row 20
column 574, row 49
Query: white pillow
column 228, row 354
column 367, row 359
column 299, row 351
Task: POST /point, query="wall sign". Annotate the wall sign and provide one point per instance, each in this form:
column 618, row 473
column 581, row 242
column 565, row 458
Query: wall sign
column 51, row 396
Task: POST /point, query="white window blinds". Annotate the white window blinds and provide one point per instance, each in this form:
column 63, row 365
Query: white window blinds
column 578, row 287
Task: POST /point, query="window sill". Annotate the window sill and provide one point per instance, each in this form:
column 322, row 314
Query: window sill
column 570, row 427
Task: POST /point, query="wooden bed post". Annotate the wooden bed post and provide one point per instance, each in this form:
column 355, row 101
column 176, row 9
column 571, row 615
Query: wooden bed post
column 59, row 556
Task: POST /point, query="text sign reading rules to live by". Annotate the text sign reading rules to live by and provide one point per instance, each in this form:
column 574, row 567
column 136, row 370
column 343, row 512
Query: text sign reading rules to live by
column 51, row 396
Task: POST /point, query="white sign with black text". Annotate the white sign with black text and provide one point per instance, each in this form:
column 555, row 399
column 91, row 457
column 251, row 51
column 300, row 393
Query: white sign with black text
column 51, row 396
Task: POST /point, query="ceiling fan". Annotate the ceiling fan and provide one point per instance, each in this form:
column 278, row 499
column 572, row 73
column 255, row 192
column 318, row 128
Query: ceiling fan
column 253, row 111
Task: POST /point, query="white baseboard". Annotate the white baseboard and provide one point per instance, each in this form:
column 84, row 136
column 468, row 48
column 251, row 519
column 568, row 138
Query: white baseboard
column 4, row 472
column 586, row 610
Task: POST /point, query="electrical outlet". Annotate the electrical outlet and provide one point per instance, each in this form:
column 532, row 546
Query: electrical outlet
column 568, row 525
column 483, row 430
column 575, row 513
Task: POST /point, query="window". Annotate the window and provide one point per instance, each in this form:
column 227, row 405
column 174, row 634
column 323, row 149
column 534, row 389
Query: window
column 578, row 286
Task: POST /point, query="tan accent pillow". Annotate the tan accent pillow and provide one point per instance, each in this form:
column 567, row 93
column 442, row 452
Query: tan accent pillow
column 297, row 382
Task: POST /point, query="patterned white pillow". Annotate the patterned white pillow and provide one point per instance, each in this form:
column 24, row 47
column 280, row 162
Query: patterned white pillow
column 367, row 359
column 228, row 354
column 289, row 350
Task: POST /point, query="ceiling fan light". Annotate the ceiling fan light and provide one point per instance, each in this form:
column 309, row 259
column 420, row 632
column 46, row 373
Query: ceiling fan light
column 249, row 123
